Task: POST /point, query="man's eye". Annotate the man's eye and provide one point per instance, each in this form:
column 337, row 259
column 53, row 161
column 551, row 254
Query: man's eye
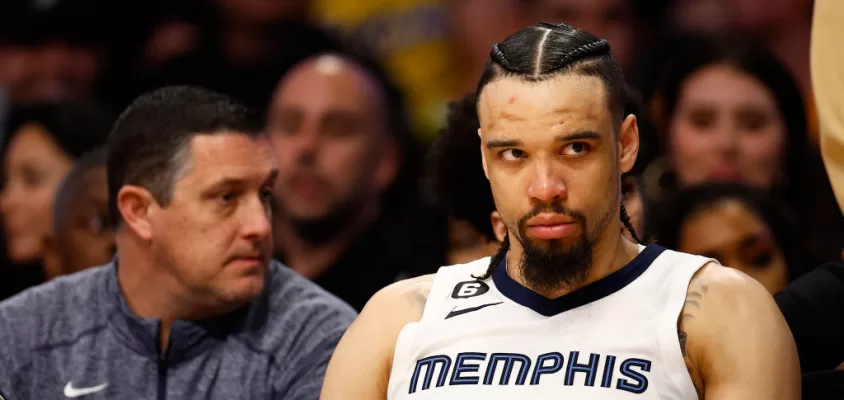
column 512, row 154
column 576, row 149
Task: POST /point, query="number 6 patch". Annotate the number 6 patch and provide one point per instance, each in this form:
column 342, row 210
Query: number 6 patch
column 464, row 290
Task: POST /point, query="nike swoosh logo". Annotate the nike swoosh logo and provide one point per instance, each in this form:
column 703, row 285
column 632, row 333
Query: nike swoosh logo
column 71, row 392
column 470, row 309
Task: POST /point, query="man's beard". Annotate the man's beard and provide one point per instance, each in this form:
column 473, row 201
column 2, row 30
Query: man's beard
column 551, row 264
column 323, row 229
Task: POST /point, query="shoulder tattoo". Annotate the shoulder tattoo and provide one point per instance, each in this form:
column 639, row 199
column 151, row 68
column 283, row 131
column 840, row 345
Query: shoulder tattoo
column 691, row 308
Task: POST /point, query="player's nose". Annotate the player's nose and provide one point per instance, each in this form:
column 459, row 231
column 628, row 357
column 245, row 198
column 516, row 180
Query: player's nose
column 546, row 185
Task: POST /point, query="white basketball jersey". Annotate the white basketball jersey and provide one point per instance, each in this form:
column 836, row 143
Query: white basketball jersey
column 613, row 339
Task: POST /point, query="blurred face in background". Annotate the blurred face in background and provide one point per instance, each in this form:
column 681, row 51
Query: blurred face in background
column 85, row 234
column 701, row 16
column 633, row 199
column 736, row 236
column 612, row 20
column 50, row 72
column 328, row 128
column 33, row 167
column 726, row 127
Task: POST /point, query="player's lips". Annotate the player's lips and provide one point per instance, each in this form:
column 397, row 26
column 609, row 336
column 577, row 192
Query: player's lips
column 725, row 174
column 551, row 226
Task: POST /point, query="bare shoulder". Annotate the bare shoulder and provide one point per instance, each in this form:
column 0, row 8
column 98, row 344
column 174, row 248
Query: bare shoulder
column 393, row 307
column 373, row 337
column 726, row 293
column 725, row 315
column 404, row 299
column 721, row 295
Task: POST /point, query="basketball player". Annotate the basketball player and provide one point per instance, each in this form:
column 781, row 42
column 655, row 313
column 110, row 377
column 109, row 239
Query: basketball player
column 568, row 308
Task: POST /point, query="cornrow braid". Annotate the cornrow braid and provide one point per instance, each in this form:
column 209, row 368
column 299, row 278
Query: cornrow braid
column 550, row 25
column 496, row 259
column 625, row 219
column 589, row 49
column 498, row 56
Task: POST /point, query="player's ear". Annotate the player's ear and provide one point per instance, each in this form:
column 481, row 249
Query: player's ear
column 135, row 205
column 483, row 154
column 498, row 226
column 628, row 143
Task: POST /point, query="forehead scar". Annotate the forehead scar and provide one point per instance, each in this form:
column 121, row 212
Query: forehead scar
column 511, row 117
column 512, row 99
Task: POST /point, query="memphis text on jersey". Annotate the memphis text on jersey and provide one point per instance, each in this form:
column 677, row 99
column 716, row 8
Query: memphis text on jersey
column 476, row 368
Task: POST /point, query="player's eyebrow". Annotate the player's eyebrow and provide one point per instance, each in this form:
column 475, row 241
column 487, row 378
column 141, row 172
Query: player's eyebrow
column 499, row 143
column 581, row 135
column 591, row 135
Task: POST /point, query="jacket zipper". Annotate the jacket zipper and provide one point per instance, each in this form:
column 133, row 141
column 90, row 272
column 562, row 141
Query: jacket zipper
column 162, row 373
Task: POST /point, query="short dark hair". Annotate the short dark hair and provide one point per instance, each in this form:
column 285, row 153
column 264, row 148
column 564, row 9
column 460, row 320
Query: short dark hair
column 546, row 50
column 674, row 211
column 148, row 138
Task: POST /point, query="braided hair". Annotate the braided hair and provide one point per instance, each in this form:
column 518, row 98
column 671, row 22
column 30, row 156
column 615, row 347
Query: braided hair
column 543, row 51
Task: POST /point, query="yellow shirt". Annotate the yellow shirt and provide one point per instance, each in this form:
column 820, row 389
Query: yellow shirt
column 827, row 65
column 411, row 38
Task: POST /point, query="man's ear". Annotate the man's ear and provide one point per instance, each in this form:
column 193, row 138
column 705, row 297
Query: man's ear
column 628, row 143
column 388, row 164
column 483, row 154
column 135, row 205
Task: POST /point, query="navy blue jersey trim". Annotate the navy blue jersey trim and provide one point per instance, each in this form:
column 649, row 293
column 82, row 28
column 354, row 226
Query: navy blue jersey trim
column 585, row 295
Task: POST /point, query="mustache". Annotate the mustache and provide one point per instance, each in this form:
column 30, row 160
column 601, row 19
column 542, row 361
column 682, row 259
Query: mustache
column 552, row 208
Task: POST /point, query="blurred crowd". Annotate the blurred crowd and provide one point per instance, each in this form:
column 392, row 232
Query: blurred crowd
column 376, row 138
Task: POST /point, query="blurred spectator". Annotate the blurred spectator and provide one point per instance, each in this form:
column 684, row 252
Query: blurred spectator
column 784, row 26
column 740, row 226
column 43, row 143
column 729, row 111
column 83, row 230
column 55, row 54
column 238, row 48
column 339, row 133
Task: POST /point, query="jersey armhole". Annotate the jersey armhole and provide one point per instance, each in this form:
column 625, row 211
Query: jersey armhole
column 677, row 289
column 407, row 335
column 438, row 293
